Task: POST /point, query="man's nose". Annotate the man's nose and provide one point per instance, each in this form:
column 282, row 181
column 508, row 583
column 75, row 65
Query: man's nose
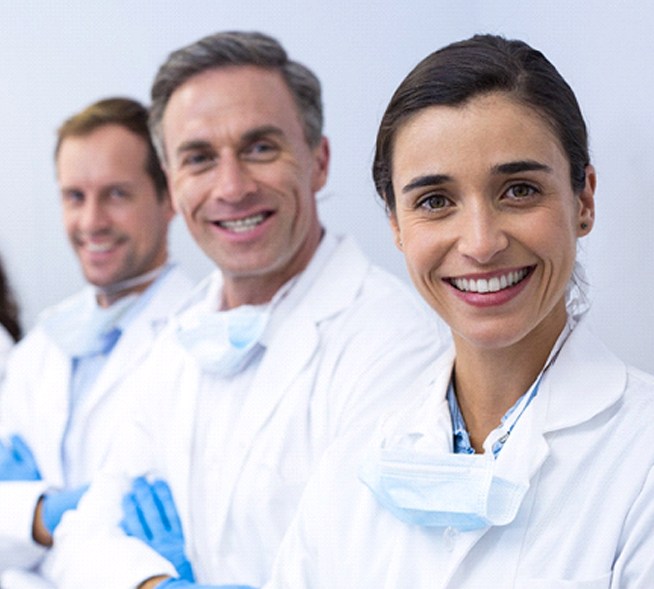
column 233, row 180
column 93, row 216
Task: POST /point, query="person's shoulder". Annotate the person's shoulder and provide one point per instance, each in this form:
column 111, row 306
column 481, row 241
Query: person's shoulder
column 175, row 287
column 639, row 389
column 387, row 302
column 37, row 335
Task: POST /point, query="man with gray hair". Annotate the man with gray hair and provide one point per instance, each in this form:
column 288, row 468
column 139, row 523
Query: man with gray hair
column 295, row 338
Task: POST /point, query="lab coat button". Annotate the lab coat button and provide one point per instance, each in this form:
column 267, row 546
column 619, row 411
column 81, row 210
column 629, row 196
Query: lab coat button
column 449, row 536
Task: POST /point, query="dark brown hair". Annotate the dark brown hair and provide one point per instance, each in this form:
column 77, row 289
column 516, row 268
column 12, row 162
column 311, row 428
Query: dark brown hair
column 8, row 307
column 484, row 64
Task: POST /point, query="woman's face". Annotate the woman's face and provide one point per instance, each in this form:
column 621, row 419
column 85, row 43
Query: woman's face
column 487, row 219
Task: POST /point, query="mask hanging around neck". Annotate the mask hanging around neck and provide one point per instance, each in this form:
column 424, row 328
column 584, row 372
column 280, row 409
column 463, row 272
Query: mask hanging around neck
column 225, row 342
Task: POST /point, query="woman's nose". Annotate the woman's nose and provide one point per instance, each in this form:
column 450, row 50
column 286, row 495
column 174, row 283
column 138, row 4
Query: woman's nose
column 482, row 235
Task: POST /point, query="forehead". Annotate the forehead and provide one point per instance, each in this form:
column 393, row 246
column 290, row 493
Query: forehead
column 109, row 152
column 486, row 131
column 229, row 101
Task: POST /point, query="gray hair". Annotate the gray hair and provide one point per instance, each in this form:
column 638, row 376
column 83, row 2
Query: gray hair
column 236, row 48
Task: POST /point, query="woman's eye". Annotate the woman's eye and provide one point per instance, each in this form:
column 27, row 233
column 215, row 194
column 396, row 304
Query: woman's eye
column 521, row 191
column 433, row 203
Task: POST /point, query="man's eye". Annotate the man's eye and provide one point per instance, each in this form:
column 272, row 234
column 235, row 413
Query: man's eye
column 73, row 196
column 116, row 192
column 261, row 151
column 196, row 159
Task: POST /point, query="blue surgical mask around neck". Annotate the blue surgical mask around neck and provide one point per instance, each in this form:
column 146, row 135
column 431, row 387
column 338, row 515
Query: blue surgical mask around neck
column 83, row 328
column 441, row 489
column 225, row 342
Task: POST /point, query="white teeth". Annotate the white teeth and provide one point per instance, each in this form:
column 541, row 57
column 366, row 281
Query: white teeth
column 495, row 284
column 242, row 225
column 98, row 247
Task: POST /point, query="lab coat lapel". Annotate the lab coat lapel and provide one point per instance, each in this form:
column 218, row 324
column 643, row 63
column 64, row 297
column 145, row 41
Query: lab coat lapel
column 135, row 342
column 56, row 372
column 316, row 296
column 179, row 453
column 296, row 338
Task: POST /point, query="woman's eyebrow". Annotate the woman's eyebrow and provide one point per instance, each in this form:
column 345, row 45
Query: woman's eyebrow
column 426, row 180
column 520, row 166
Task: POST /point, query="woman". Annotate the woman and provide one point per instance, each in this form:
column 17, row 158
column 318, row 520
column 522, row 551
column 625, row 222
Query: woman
column 10, row 330
column 528, row 461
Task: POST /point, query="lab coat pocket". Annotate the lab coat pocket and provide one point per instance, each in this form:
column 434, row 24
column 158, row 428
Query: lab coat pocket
column 603, row 582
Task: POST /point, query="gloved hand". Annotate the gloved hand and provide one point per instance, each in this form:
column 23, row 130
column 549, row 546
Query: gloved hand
column 182, row 584
column 149, row 514
column 58, row 502
column 17, row 462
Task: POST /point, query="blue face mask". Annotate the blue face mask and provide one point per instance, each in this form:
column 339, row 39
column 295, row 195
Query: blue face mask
column 83, row 328
column 224, row 343
column 457, row 490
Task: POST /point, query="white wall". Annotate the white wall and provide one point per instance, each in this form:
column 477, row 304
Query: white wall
column 58, row 56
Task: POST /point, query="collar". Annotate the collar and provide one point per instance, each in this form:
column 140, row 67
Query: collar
column 585, row 380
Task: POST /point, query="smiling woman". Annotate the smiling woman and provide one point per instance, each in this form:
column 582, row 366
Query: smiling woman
column 483, row 198
column 529, row 423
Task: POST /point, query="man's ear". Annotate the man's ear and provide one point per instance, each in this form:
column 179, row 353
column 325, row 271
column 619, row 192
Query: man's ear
column 321, row 165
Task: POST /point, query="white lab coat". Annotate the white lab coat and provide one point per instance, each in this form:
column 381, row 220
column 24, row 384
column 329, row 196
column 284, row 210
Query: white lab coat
column 585, row 446
column 34, row 402
column 353, row 339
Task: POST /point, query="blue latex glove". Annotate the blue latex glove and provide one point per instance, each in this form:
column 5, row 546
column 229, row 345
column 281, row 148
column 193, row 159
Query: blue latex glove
column 181, row 584
column 17, row 462
column 149, row 514
column 58, row 502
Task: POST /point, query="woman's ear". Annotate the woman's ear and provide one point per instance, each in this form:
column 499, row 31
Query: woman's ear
column 397, row 236
column 586, row 214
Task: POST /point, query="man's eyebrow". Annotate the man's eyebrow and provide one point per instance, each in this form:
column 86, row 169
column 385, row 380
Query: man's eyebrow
column 192, row 145
column 247, row 137
column 259, row 132
column 427, row 180
column 520, row 166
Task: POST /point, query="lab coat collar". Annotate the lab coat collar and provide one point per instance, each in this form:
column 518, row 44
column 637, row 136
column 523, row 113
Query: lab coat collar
column 138, row 336
column 585, row 380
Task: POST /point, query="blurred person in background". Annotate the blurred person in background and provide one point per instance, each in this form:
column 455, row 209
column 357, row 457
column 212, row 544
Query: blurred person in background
column 67, row 381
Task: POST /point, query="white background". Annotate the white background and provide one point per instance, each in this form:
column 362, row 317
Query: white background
column 58, row 56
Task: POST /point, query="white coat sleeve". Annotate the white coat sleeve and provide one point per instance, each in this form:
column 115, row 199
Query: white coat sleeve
column 382, row 362
column 306, row 556
column 18, row 499
column 297, row 563
column 90, row 549
column 634, row 567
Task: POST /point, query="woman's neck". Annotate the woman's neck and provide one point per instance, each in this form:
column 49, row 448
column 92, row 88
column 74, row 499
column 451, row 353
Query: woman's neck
column 488, row 382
